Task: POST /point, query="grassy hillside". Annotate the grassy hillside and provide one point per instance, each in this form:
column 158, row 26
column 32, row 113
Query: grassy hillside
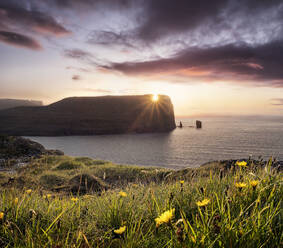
column 140, row 207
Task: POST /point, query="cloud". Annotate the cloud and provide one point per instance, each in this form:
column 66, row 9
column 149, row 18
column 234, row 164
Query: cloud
column 234, row 62
column 80, row 69
column 277, row 101
column 36, row 21
column 19, row 40
column 106, row 38
column 77, row 54
column 102, row 91
column 76, row 77
column 163, row 18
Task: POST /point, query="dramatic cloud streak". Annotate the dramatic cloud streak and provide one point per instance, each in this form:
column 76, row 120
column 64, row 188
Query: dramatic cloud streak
column 233, row 62
column 19, row 40
column 34, row 20
column 277, row 101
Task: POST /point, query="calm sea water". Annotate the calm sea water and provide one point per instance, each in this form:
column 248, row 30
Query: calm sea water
column 220, row 138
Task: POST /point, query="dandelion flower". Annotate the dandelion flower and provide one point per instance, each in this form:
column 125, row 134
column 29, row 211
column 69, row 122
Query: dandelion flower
column 28, row 191
column 47, row 196
column 74, row 199
column 121, row 230
column 254, row 183
column 16, row 201
column 166, row 217
column 241, row 164
column 1, row 215
column 182, row 182
column 122, row 193
column 204, row 202
column 240, row 185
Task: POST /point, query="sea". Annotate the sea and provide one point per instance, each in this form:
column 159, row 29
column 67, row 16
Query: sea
column 220, row 138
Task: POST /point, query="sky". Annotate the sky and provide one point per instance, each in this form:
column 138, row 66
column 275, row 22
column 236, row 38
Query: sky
column 221, row 57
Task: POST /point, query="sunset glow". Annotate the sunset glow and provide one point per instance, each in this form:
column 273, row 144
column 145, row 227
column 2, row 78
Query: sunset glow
column 75, row 50
column 155, row 98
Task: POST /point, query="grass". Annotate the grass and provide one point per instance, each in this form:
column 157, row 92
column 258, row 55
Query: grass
column 230, row 217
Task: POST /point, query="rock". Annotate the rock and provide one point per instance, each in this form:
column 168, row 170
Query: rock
column 19, row 150
column 91, row 115
column 198, row 124
column 86, row 183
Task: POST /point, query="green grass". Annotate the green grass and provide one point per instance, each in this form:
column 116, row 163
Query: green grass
column 251, row 217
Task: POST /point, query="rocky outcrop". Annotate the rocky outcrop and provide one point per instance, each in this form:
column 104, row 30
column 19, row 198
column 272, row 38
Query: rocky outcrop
column 91, row 115
column 15, row 150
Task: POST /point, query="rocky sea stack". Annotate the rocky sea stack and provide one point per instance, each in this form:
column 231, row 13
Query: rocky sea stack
column 91, row 115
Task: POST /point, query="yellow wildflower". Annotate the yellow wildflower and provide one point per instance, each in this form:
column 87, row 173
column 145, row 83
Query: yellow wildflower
column 204, row 202
column 240, row 185
column 122, row 193
column 1, row 215
column 28, row 191
column 182, row 182
column 241, row 164
column 254, row 183
column 47, row 196
column 74, row 199
column 16, row 201
column 121, row 230
column 166, row 217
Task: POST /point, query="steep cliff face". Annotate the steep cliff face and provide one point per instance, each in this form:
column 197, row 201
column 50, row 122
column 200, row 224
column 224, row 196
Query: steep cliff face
column 91, row 115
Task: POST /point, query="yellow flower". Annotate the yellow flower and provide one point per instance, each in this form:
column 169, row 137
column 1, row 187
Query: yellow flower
column 254, row 183
column 74, row 199
column 122, row 193
column 240, row 185
column 28, row 191
column 16, row 201
column 121, row 230
column 182, row 181
column 241, row 164
column 204, row 202
column 1, row 215
column 166, row 217
column 47, row 196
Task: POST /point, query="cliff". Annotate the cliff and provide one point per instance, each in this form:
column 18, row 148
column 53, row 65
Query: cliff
column 12, row 103
column 91, row 115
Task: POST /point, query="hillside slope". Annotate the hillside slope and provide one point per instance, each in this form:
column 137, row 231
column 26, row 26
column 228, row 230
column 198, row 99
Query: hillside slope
column 12, row 103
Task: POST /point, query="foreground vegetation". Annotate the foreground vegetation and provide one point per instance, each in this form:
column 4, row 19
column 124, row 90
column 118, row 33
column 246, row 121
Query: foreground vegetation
column 140, row 207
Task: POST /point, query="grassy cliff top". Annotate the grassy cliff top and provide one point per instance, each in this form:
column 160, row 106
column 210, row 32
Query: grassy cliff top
column 128, row 206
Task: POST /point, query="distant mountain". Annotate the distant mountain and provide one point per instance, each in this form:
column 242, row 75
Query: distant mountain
column 12, row 103
column 91, row 115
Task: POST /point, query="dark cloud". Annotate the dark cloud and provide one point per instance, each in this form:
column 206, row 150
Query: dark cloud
column 19, row 40
column 77, row 54
column 31, row 20
column 233, row 62
column 92, row 3
column 163, row 18
column 76, row 77
column 277, row 101
column 106, row 38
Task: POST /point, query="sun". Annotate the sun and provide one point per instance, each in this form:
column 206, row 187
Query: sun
column 155, row 98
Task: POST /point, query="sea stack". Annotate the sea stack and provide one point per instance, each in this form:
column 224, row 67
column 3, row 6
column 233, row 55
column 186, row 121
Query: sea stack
column 91, row 115
column 198, row 124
